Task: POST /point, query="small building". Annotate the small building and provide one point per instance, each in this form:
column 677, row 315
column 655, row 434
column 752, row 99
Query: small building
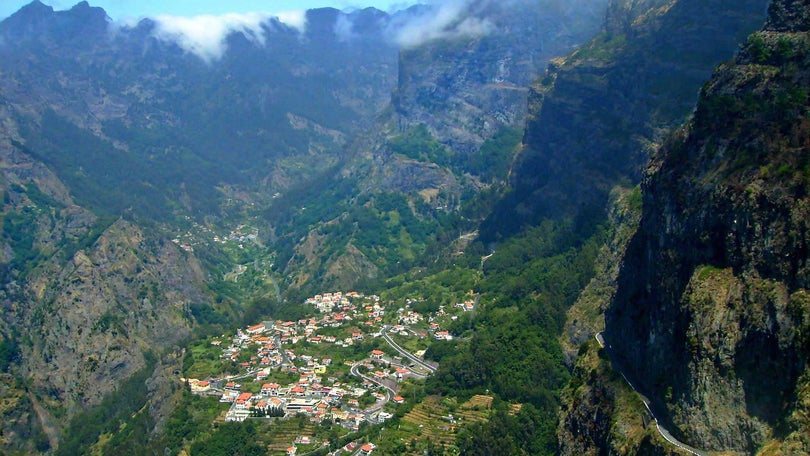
column 270, row 389
column 256, row 329
column 298, row 391
column 199, row 386
column 243, row 400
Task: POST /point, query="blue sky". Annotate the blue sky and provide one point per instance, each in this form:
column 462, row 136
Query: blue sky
column 128, row 9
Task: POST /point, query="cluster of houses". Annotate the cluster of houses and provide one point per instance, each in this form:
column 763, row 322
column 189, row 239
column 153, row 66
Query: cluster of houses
column 327, row 302
column 264, row 344
column 266, row 347
column 350, row 448
column 408, row 317
column 339, row 308
column 307, row 397
column 241, row 234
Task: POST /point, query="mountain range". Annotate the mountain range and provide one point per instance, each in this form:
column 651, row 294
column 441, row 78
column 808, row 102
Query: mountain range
column 566, row 162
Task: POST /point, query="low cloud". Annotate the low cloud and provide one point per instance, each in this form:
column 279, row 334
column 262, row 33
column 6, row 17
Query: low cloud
column 344, row 28
column 448, row 19
column 294, row 19
column 206, row 36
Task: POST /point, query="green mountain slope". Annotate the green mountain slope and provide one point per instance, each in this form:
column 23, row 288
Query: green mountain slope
column 119, row 111
column 415, row 185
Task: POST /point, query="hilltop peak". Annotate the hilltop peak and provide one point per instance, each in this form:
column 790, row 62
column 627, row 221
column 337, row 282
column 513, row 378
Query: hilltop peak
column 85, row 9
column 789, row 16
column 37, row 22
column 33, row 12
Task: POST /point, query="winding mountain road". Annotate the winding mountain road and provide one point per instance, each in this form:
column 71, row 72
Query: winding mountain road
column 389, row 391
column 406, row 354
column 661, row 430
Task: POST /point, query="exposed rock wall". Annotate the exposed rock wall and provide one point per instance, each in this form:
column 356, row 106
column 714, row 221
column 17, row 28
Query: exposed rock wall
column 712, row 311
column 601, row 415
column 465, row 89
column 83, row 297
column 598, row 114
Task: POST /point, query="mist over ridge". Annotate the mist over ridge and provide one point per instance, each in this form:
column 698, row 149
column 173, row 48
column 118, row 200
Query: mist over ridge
column 206, row 35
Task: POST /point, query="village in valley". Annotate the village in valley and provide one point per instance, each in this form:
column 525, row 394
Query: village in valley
column 347, row 365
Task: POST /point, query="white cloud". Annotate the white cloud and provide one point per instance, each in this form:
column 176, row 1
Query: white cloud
column 445, row 20
column 344, row 28
column 206, row 35
column 294, row 19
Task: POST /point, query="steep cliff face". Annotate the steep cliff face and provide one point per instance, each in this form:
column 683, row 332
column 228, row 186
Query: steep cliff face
column 92, row 319
column 449, row 134
column 602, row 415
column 82, row 297
column 712, row 313
column 466, row 87
column 597, row 115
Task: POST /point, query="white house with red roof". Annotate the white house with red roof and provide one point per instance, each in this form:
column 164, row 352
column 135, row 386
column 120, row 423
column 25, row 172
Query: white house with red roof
column 256, row 329
column 243, row 400
column 270, row 389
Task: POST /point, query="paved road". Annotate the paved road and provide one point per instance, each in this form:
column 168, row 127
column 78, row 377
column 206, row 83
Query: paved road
column 485, row 258
column 406, row 354
column 661, row 430
column 400, row 363
column 389, row 392
column 284, row 358
column 248, row 374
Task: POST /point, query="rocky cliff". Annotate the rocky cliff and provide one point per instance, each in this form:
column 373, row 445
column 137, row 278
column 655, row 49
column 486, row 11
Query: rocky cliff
column 596, row 115
column 461, row 89
column 712, row 313
column 83, row 299
column 466, row 86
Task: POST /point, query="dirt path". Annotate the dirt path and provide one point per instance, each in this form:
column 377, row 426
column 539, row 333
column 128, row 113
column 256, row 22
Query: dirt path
column 45, row 421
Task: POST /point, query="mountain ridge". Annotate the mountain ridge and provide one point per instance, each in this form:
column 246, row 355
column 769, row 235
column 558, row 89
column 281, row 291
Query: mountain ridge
column 710, row 312
column 596, row 115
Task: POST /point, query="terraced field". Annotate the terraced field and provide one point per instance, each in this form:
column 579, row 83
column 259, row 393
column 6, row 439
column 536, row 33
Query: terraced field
column 474, row 410
column 429, row 423
column 282, row 434
column 431, row 419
